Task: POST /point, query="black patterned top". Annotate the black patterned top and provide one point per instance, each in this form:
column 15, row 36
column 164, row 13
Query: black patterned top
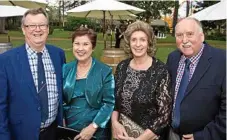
column 144, row 95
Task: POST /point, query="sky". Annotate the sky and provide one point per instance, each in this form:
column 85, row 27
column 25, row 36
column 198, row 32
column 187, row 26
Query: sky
column 52, row 2
column 182, row 9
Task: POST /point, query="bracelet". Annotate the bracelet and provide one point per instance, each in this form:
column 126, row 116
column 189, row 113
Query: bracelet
column 94, row 125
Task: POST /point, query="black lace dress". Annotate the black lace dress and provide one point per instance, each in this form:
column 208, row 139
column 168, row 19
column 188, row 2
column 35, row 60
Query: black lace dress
column 144, row 95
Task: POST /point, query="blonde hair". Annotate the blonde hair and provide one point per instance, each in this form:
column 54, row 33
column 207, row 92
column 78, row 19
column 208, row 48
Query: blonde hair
column 147, row 29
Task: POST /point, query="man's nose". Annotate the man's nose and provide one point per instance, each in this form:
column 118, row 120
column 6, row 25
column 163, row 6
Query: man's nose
column 185, row 39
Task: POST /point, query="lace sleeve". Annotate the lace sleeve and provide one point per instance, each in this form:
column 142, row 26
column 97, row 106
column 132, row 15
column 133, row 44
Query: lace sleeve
column 164, row 102
column 117, row 86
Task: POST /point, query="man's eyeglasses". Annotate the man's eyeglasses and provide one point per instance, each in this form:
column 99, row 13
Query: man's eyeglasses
column 33, row 26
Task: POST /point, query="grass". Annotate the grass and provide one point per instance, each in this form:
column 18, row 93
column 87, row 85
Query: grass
column 66, row 45
column 62, row 39
column 161, row 54
column 67, row 35
column 56, row 34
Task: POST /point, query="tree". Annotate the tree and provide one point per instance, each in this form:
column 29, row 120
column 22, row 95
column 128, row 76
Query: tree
column 208, row 25
column 187, row 7
column 65, row 5
column 53, row 14
column 2, row 25
column 175, row 16
column 154, row 9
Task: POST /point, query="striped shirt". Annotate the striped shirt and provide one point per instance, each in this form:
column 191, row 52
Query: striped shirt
column 180, row 70
column 50, row 80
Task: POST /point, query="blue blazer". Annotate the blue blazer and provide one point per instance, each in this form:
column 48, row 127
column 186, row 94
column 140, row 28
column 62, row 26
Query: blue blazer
column 20, row 118
column 203, row 109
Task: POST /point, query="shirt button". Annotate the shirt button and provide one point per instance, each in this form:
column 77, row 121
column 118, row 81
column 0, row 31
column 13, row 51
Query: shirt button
column 39, row 108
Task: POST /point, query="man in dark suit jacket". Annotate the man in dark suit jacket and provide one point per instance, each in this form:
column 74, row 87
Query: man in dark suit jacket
column 200, row 112
column 24, row 113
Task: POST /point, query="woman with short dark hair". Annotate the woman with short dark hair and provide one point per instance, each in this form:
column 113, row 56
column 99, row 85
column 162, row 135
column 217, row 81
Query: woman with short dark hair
column 88, row 89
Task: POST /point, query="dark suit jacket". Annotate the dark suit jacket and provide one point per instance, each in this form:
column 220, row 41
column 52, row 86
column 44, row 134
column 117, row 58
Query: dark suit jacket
column 203, row 109
column 20, row 116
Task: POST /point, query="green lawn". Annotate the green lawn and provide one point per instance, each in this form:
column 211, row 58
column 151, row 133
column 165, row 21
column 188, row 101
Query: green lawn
column 56, row 34
column 162, row 52
column 67, row 35
column 62, row 39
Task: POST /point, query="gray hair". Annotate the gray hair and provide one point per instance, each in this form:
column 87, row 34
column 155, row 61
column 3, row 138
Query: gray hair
column 35, row 11
column 147, row 29
column 196, row 21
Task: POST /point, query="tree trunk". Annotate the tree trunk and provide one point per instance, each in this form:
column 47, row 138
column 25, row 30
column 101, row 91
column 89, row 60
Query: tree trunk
column 175, row 16
column 59, row 15
column 2, row 25
column 187, row 8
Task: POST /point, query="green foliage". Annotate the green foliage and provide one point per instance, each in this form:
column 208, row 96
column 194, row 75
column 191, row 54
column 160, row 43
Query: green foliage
column 74, row 23
column 154, row 9
column 13, row 23
column 53, row 14
column 217, row 36
column 59, row 33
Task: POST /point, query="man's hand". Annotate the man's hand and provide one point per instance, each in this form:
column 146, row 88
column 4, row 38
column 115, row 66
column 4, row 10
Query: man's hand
column 188, row 137
column 86, row 133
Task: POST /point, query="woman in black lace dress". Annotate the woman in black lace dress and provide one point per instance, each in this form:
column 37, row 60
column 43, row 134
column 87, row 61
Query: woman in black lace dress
column 142, row 88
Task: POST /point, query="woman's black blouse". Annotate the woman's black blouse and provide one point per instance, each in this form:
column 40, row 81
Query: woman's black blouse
column 144, row 96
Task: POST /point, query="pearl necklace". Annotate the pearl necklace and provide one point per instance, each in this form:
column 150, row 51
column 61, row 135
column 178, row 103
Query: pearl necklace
column 81, row 75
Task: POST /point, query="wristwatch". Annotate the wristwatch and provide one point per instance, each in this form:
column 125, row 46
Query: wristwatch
column 95, row 125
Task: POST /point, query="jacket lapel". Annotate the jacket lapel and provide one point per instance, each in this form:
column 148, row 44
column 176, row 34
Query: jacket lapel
column 25, row 70
column 202, row 66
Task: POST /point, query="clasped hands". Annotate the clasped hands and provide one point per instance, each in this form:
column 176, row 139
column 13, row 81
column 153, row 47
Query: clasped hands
column 131, row 138
column 86, row 133
column 120, row 133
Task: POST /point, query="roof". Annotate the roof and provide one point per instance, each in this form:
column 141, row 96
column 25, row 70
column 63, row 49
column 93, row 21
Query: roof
column 159, row 22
